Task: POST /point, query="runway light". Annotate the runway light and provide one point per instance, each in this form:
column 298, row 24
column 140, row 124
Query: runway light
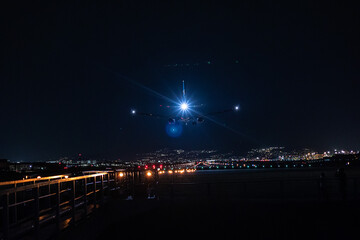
column 170, row 171
column 149, row 174
column 38, row 177
column 121, row 174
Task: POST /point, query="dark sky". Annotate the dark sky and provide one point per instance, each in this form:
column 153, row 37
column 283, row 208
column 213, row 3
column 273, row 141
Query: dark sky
column 70, row 73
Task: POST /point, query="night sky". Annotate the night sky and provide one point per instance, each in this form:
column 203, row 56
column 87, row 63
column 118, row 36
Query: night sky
column 71, row 72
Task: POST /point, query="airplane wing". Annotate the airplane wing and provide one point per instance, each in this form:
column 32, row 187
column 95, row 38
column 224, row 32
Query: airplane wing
column 218, row 112
column 136, row 113
column 234, row 109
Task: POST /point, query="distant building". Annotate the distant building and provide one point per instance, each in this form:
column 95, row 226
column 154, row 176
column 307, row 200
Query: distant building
column 4, row 165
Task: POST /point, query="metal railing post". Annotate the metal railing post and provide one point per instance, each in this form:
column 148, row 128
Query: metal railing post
column 58, row 201
column 73, row 191
column 94, row 193
column 102, row 190
column 15, row 207
column 49, row 192
column 6, row 216
column 85, row 197
column 37, row 212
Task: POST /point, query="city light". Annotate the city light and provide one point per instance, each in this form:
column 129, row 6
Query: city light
column 149, row 174
column 121, row 174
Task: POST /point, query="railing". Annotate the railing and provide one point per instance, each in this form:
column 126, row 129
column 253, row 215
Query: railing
column 63, row 201
column 33, row 203
column 14, row 184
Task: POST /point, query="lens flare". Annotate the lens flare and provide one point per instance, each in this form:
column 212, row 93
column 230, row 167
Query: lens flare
column 184, row 106
column 174, row 130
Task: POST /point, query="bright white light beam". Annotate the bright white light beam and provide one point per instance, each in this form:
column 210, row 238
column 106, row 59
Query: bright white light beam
column 184, row 106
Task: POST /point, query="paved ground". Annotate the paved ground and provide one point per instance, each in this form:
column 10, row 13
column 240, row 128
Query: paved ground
column 226, row 216
column 222, row 220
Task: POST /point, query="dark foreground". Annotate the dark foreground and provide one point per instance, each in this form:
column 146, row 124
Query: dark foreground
column 223, row 216
column 222, row 220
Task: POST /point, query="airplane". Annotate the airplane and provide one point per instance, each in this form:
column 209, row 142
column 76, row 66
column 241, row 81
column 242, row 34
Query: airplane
column 186, row 113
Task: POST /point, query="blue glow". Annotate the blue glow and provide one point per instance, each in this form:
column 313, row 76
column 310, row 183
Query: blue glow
column 174, row 130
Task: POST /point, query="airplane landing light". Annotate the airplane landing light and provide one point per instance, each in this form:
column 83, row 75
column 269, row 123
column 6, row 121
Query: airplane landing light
column 184, row 106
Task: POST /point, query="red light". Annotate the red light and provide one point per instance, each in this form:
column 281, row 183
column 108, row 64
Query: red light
column 154, row 166
column 138, row 167
column 65, row 167
column 146, row 166
column 161, row 166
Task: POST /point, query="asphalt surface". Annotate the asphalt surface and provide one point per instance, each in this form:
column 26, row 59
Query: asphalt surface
column 193, row 213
